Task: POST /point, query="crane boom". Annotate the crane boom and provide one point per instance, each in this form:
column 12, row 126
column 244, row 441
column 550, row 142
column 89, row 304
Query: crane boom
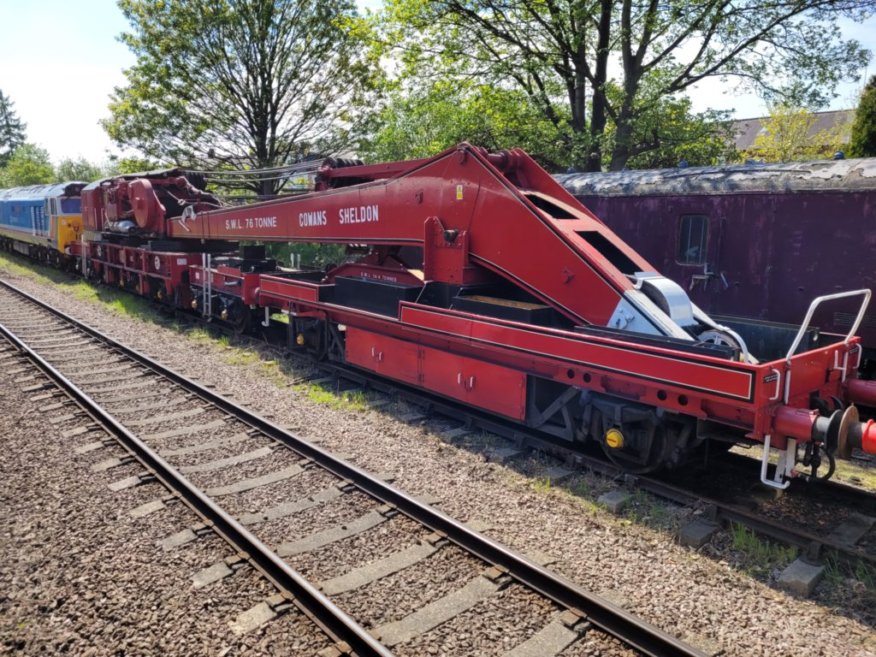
column 469, row 212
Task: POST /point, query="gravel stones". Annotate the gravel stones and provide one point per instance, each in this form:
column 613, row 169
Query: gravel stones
column 341, row 511
column 492, row 627
column 309, row 482
column 81, row 576
column 394, row 597
column 345, row 555
column 680, row 590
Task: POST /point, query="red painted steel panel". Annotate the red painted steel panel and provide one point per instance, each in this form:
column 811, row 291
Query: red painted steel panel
column 716, row 378
column 286, row 289
column 502, row 215
column 397, row 359
column 492, row 387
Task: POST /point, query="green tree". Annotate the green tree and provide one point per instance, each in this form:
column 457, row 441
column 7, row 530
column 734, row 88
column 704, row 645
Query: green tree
column 863, row 137
column 423, row 121
column 117, row 165
column 562, row 54
column 668, row 132
column 313, row 255
column 78, row 169
column 11, row 129
column 242, row 83
column 29, row 165
column 426, row 120
column 787, row 135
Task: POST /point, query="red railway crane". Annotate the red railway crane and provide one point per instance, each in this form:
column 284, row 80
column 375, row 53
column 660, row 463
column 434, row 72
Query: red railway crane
column 481, row 279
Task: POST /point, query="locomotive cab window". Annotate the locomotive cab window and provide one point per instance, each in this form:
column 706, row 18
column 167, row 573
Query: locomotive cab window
column 693, row 233
column 70, row 205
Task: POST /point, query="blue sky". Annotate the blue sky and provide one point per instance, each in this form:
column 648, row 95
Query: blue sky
column 60, row 59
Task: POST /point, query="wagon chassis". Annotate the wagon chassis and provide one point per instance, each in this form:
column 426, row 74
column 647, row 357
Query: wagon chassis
column 556, row 444
column 814, row 547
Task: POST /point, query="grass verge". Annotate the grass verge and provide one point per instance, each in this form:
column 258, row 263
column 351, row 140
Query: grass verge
column 761, row 555
column 119, row 301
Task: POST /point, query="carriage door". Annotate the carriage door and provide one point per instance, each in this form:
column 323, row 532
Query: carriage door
column 698, row 248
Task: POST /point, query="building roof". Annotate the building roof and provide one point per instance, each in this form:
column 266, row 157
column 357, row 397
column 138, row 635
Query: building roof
column 746, row 130
column 820, row 175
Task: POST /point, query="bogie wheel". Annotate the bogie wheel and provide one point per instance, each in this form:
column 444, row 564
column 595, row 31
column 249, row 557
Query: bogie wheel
column 241, row 322
column 310, row 335
column 645, row 452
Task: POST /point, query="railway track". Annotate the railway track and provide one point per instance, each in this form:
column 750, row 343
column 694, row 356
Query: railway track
column 378, row 571
column 844, row 541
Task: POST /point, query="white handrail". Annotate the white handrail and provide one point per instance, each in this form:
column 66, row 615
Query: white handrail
column 778, row 384
column 830, row 297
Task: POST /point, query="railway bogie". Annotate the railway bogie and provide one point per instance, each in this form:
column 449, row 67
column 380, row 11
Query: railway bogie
column 158, row 275
column 477, row 278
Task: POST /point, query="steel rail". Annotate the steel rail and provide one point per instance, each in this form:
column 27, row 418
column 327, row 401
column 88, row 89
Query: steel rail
column 331, row 619
column 722, row 511
column 811, row 543
column 601, row 613
column 864, row 499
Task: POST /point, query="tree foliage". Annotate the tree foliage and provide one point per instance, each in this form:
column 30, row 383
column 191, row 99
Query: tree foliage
column 787, row 135
column 318, row 256
column 241, row 83
column 29, row 165
column 78, row 169
column 563, row 55
column 12, row 133
column 122, row 165
column 668, row 132
column 863, row 137
column 422, row 121
column 419, row 122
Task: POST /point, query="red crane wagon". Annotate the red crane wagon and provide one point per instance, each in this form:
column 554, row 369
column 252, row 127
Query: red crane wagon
column 478, row 277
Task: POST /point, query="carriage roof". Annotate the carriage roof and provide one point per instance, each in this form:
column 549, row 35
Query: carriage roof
column 40, row 192
column 821, row 175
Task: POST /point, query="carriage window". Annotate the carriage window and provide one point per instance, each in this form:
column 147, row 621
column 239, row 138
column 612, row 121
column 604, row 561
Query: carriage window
column 692, row 235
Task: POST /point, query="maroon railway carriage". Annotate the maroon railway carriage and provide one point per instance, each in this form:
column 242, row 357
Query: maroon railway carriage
column 477, row 277
column 757, row 241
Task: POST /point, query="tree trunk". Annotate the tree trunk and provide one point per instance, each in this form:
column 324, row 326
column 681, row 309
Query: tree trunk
column 622, row 141
column 599, row 118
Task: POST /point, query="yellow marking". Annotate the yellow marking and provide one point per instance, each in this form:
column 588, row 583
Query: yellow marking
column 614, row 438
column 505, row 302
column 69, row 229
